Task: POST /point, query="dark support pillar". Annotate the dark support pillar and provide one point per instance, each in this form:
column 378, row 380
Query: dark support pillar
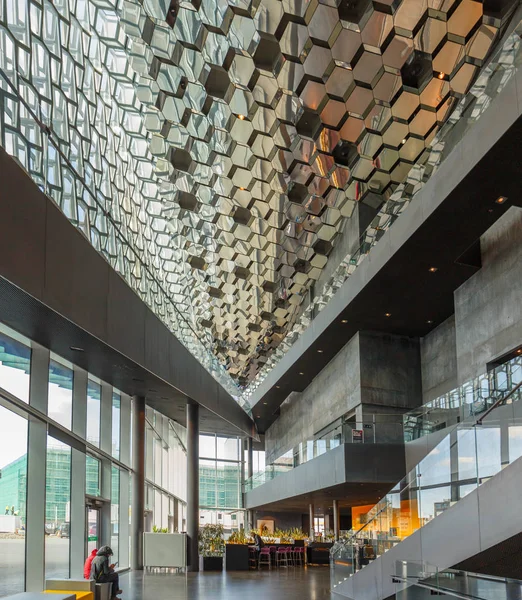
column 250, row 457
column 138, row 480
column 192, row 485
column 336, row 519
column 311, row 511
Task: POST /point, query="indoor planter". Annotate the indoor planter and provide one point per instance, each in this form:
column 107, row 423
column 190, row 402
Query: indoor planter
column 236, row 552
column 211, row 547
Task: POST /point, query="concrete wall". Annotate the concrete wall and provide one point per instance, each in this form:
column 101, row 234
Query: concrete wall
column 373, row 373
column 439, row 361
column 390, row 373
column 331, row 394
column 488, row 307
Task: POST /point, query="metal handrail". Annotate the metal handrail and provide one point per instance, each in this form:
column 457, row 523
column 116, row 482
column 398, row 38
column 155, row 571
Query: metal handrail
column 498, row 403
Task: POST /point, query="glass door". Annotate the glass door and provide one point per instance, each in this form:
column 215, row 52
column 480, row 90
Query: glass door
column 92, row 529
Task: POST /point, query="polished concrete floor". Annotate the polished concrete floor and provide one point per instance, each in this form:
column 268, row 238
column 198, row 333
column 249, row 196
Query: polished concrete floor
column 308, row 583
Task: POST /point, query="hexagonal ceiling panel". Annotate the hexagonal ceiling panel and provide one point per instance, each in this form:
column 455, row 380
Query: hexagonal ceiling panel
column 270, row 120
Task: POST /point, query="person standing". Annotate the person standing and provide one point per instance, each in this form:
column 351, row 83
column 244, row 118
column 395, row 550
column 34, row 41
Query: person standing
column 7, row 510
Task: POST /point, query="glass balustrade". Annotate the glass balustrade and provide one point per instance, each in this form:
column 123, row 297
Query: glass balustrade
column 470, row 454
column 464, row 402
column 416, row 580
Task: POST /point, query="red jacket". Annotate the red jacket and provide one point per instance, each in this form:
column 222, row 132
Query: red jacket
column 87, row 565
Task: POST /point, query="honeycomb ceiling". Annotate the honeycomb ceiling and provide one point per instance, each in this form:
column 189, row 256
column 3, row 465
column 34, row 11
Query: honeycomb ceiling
column 269, row 121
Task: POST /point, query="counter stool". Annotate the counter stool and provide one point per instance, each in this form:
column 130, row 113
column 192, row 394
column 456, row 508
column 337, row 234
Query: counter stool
column 264, row 558
column 282, row 557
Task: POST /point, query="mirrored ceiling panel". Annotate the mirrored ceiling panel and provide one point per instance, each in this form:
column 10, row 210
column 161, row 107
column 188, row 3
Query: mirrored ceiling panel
column 270, row 121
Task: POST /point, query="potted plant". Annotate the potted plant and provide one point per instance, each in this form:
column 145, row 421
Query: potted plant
column 211, row 547
column 237, row 553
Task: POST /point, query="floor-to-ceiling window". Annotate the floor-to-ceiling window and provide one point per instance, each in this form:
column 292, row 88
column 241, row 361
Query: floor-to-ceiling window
column 220, row 467
column 13, row 486
column 58, row 391
column 57, row 509
column 165, row 470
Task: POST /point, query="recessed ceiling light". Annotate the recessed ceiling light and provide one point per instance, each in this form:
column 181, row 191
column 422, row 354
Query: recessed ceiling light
column 501, row 199
column 265, row 403
column 344, row 321
column 242, row 117
column 320, row 351
column 278, row 386
column 77, row 349
column 441, row 75
column 301, row 373
column 433, row 269
column 403, row 141
column 258, row 417
column 429, row 322
column 519, row 351
column 242, row 189
column 387, row 314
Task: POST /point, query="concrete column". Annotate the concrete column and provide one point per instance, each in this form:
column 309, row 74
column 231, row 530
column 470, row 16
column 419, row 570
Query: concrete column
column 250, row 474
column 123, row 545
column 36, row 472
column 105, row 513
column 336, row 519
column 311, row 512
column 193, row 485
column 138, row 481
column 78, row 467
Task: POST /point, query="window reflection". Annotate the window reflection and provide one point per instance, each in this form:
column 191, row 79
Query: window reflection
column 57, row 509
column 13, row 489
column 93, row 412
column 92, row 482
column 15, row 366
column 61, row 379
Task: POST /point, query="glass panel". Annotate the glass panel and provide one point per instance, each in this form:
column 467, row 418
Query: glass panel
column 93, row 412
column 116, row 424
column 115, row 512
column 57, row 509
column 227, row 448
column 93, row 519
column 92, row 484
column 60, row 393
column 13, row 490
column 15, row 366
column 227, row 478
column 488, row 449
column 207, row 483
column 207, row 446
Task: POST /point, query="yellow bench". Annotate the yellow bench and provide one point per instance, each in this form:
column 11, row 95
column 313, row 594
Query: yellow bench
column 79, row 595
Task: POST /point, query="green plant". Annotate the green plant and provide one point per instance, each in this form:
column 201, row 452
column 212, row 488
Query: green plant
column 211, row 542
column 157, row 529
column 297, row 534
column 240, row 537
column 328, row 535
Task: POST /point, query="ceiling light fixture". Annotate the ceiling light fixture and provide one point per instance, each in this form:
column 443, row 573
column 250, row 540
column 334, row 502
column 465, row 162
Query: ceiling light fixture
column 258, row 417
column 278, row 386
column 320, row 351
column 301, row 373
column 242, row 189
column 433, row 269
column 441, row 75
column 242, row 117
column 344, row 321
column 265, row 403
column 519, row 351
column 387, row 314
column 429, row 322
column 77, row 349
column 501, row 199
column 403, row 141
